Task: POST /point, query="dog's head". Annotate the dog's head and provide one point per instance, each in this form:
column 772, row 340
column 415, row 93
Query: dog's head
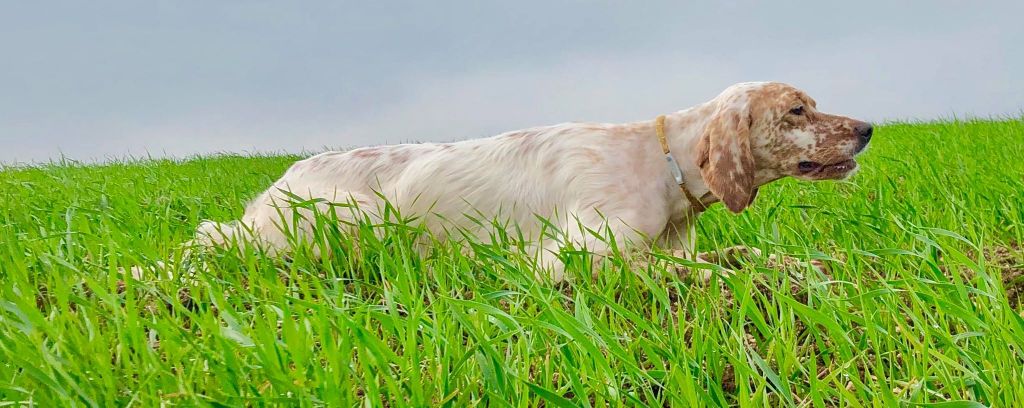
column 762, row 131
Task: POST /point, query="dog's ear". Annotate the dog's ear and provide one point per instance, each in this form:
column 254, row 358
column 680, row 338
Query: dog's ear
column 726, row 162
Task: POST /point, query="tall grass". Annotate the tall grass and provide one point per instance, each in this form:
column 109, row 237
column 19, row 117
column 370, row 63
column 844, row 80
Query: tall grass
column 913, row 311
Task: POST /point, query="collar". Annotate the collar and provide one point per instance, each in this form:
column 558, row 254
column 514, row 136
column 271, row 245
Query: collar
column 695, row 204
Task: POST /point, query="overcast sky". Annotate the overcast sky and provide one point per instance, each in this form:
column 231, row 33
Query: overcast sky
column 98, row 80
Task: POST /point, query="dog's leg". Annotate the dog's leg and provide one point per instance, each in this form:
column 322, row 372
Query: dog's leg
column 550, row 264
column 733, row 257
column 680, row 240
column 736, row 256
column 599, row 236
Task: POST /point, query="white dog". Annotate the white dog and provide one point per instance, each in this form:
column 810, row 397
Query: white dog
column 646, row 182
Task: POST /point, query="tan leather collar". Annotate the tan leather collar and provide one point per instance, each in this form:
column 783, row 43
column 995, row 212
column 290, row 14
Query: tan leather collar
column 695, row 204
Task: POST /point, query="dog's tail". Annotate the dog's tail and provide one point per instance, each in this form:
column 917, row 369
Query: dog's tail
column 211, row 234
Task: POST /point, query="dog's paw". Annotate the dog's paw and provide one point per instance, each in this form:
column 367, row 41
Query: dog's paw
column 732, row 257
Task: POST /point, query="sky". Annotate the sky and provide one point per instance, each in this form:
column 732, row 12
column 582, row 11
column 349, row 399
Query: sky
column 104, row 80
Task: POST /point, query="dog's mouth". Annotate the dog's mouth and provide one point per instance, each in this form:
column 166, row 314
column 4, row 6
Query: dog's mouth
column 825, row 171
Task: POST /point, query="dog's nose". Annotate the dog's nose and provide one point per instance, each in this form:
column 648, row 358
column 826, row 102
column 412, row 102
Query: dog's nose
column 864, row 131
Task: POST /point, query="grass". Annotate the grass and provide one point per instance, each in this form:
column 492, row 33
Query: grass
column 915, row 310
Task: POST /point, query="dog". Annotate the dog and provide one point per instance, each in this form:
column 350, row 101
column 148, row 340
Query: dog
column 644, row 182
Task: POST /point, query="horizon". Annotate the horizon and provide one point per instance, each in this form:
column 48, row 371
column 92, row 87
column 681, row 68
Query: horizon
column 151, row 158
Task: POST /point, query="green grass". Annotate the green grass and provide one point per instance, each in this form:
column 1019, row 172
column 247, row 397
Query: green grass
column 915, row 310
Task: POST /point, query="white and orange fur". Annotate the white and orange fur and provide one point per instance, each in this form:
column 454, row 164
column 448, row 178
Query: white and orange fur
column 602, row 177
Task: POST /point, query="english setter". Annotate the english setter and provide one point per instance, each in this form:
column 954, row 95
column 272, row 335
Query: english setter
column 645, row 182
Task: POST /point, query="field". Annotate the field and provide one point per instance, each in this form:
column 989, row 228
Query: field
column 920, row 306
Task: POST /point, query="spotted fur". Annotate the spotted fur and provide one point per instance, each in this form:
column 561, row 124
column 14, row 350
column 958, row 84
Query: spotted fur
column 581, row 177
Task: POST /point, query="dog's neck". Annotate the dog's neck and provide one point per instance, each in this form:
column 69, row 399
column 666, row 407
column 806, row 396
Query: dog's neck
column 684, row 130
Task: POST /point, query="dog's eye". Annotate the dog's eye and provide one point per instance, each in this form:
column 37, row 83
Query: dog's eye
column 799, row 110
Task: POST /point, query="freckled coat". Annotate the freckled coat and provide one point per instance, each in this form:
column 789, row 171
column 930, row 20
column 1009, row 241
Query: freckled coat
column 593, row 176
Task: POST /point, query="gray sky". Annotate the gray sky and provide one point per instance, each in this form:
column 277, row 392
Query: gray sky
column 97, row 80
